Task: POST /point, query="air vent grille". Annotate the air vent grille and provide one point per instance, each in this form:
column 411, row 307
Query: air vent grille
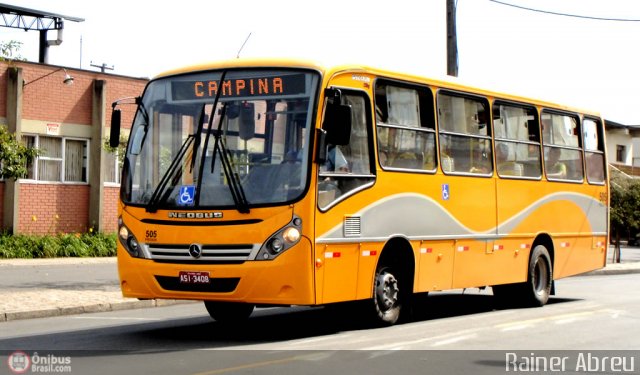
column 352, row 226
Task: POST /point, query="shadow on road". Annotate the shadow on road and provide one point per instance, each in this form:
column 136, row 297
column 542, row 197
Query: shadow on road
column 265, row 326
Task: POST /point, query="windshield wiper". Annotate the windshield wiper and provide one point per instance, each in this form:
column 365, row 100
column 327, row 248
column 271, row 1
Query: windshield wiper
column 196, row 145
column 159, row 193
column 235, row 186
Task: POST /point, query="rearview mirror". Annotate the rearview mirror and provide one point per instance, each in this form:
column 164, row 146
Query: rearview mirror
column 337, row 119
column 247, row 121
column 114, row 134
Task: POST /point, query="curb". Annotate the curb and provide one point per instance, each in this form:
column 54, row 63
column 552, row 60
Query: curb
column 93, row 308
column 613, row 271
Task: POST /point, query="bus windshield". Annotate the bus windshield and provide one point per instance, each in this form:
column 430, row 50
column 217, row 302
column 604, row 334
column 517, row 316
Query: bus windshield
column 223, row 139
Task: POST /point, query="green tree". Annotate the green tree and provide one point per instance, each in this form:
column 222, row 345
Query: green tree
column 625, row 208
column 10, row 50
column 14, row 156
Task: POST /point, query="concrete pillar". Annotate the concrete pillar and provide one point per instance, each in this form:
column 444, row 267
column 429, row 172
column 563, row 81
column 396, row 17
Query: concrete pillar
column 14, row 125
column 96, row 156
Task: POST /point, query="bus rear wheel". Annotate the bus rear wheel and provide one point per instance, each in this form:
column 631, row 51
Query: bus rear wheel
column 229, row 311
column 536, row 290
column 387, row 299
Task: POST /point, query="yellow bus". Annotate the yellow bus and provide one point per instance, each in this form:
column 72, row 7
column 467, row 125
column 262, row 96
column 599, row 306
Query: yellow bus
column 276, row 183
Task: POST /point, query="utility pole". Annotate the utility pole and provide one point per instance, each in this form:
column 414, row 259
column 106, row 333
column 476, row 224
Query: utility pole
column 102, row 67
column 452, row 39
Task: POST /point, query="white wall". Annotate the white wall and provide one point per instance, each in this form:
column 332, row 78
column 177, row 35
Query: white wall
column 620, row 137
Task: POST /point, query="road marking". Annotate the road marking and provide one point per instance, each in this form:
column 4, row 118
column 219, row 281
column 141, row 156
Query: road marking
column 557, row 319
column 449, row 336
column 454, row 340
column 317, row 339
column 248, row 366
column 114, row 318
column 516, row 327
column 308, row 357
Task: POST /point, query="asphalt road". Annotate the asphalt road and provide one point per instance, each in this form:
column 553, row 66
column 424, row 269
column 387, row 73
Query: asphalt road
column 454, row 334
column 90, row 276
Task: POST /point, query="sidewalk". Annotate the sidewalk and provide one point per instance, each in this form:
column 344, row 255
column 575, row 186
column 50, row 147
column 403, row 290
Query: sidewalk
column 37, row 288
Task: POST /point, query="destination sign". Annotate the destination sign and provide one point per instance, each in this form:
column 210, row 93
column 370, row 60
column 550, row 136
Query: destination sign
column 240, row 87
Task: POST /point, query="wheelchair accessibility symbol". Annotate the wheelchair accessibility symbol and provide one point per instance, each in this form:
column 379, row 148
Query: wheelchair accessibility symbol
column 187, row 195
column 445, row 192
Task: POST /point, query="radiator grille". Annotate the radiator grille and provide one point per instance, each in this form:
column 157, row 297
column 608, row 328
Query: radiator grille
column 211, row 254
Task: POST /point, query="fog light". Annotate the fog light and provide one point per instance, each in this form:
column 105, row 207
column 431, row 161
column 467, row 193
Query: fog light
column 134, row 247
column 276, row 245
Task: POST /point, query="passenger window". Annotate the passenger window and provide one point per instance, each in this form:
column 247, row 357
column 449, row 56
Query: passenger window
column 464, row 134
column 562, row 153
column 594, row 151
column 517, row 136
column 405, row 127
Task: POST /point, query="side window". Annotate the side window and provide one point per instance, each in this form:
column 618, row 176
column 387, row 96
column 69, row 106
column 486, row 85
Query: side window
column 517, row 136
column 61, row 159
column 464, row 134
column 405, row 127
column 348, row 167
column 562, row 152
column 594, row 151
column 621, row 153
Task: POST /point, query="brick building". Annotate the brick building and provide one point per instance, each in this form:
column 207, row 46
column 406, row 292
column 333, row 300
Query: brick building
column 73, row 185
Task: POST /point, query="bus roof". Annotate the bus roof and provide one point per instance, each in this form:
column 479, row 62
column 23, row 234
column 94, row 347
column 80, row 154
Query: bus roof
column 451, row 83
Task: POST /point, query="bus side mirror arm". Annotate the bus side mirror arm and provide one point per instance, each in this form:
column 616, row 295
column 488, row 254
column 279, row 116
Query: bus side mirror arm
column 321, row 148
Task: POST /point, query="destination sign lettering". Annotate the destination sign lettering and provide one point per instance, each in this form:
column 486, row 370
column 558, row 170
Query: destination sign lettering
column 242, row 87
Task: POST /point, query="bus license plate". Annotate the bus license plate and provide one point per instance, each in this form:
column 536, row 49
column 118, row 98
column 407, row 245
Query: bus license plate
column 190, row 277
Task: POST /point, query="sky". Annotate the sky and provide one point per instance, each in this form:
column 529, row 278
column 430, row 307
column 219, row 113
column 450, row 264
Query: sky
column 590, row 64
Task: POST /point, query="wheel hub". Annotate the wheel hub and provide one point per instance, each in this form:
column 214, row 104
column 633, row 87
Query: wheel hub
column 387, row 290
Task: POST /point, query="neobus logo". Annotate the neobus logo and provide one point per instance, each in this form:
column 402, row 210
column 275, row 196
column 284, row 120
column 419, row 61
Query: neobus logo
column 195, row 215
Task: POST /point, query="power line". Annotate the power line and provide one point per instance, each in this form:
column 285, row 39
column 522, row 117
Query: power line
column 565, row 14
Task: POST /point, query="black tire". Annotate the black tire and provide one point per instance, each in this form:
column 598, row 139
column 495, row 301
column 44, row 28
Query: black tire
column 232, row 312
column 387, row 296
column 536, row 290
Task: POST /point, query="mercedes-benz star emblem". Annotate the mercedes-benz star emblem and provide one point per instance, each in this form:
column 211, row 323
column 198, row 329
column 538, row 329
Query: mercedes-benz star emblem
column 195, row 250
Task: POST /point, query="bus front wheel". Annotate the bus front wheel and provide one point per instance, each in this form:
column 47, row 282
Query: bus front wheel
column 386, row 296
column 229, row 311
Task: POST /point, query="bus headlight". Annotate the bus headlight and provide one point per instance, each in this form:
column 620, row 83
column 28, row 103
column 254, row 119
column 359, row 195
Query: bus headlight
column 291, row 235
column 129, row 241
column 282, row 240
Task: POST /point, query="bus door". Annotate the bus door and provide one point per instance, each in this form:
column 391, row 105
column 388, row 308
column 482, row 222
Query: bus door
column 518, row 169
column 468, row 186
column 345, row 174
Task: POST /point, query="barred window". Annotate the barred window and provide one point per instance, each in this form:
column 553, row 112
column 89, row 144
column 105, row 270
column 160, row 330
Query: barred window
column 112, row 167
column 61, row 159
